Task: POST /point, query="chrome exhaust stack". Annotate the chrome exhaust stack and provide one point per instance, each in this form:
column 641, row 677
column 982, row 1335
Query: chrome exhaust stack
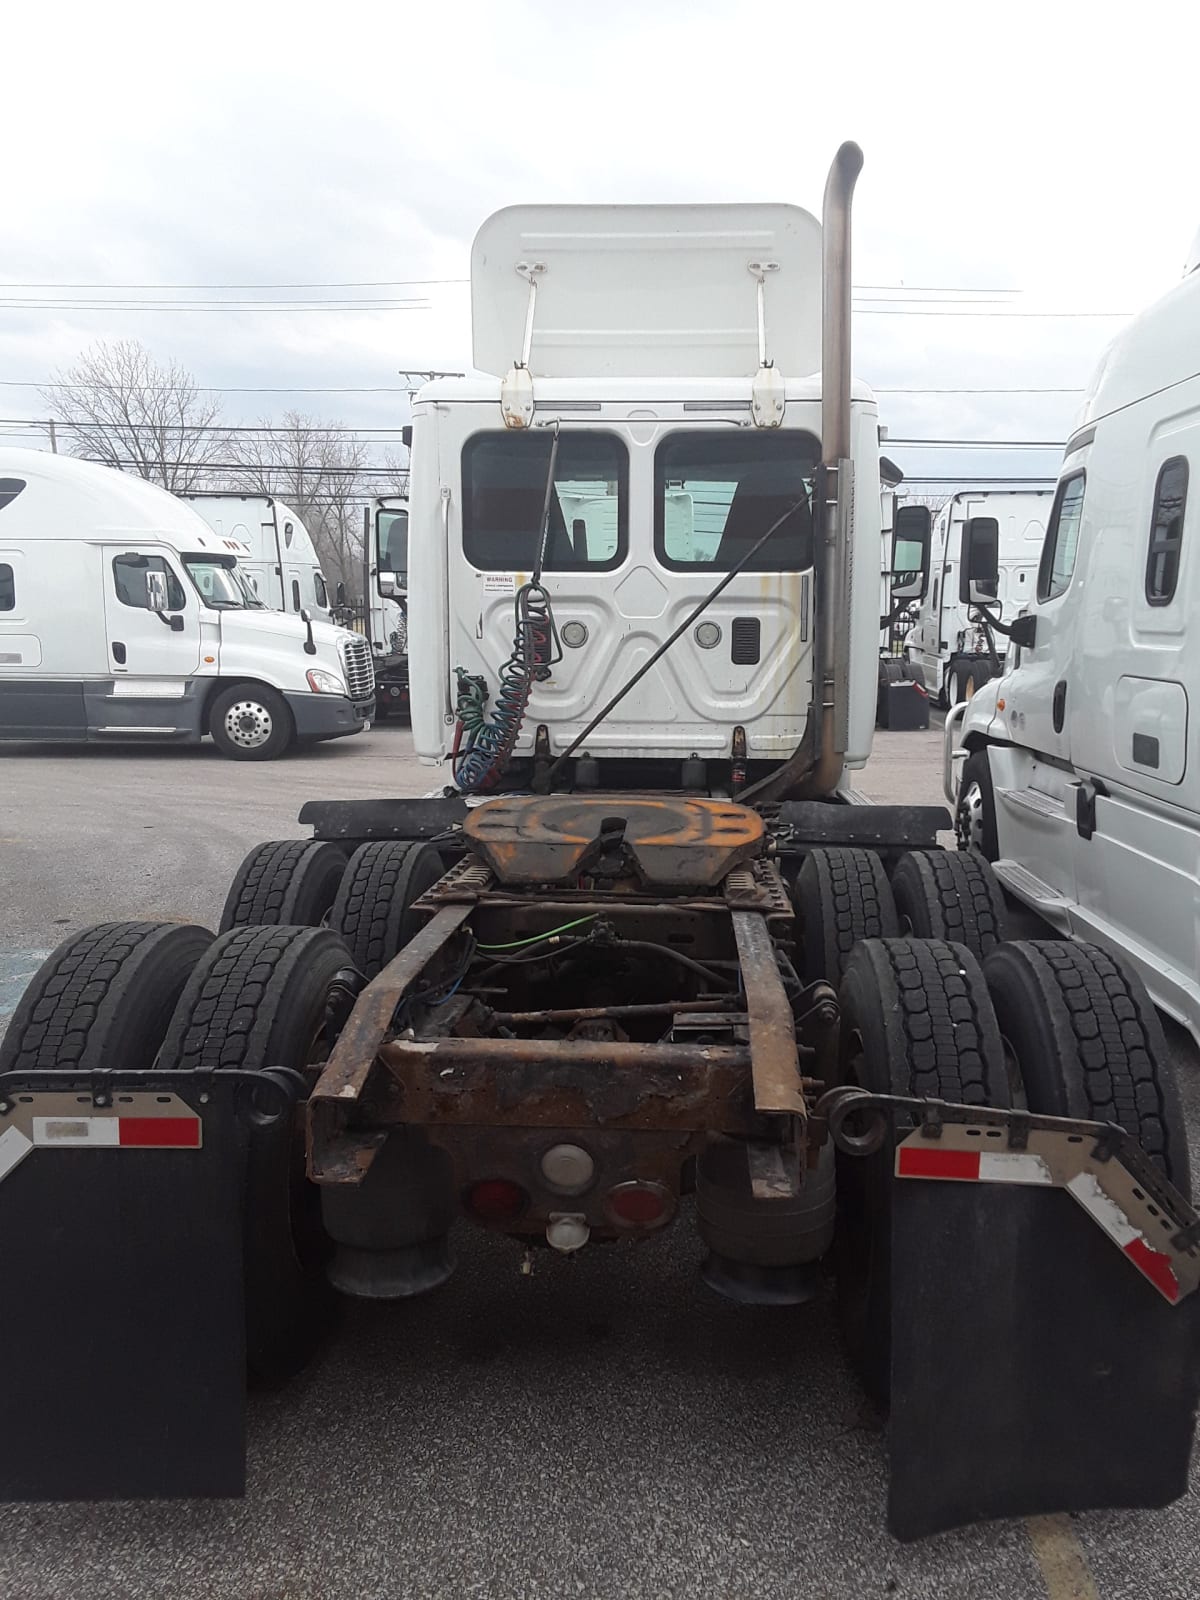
column 816, row 766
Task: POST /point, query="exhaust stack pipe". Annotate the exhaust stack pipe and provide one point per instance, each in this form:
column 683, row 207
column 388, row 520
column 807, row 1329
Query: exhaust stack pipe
column 816, row 766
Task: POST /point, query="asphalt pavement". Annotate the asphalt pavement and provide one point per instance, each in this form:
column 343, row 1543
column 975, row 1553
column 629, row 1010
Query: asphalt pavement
column 606, row 1427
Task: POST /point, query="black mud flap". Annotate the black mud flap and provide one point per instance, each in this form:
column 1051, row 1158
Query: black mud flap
column 122, row 1329
column 1034, row 1370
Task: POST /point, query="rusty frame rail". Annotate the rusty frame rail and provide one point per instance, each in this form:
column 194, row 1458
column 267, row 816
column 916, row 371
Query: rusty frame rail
column 775, row 1055
column 340, row 1086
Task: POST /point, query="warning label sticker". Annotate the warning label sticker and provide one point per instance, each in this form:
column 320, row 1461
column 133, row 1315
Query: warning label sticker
column 499, row 583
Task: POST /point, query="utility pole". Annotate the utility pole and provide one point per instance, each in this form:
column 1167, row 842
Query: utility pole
column 53, row 437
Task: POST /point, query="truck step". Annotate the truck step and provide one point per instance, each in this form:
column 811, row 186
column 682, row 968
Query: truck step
column 1026, row 886
column 1042, row 805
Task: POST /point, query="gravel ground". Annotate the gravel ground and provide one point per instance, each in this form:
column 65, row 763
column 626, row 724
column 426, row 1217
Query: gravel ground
column 603, row 1428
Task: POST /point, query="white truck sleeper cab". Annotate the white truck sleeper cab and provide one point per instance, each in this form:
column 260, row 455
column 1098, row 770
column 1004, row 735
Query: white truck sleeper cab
column 944, row 639
column 123, row 616
column 1077, row 770
column 660, row 486
column 385, row 599
column 279, row 555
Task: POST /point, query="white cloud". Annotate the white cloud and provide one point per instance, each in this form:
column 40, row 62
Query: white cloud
column 1035, row 147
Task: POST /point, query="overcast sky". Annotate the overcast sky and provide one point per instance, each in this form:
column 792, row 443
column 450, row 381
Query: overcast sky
column 1043, row 149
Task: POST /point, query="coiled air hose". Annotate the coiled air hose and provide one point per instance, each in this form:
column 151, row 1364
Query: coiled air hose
column 483, row 745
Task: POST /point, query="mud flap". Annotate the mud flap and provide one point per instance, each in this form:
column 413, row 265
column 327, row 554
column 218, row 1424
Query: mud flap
column 122, row 1328
column 1034, row 1370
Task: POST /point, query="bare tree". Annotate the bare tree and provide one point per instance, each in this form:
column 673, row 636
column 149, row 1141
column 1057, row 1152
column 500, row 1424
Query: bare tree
column 119, row 407
column 317, row 469
column 393, row 475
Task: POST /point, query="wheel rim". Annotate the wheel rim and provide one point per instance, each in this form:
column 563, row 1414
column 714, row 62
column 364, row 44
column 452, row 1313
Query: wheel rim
column 248, row 724
column 969, row 818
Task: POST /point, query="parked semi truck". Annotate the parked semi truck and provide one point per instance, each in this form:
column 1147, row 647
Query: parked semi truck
column 124, row 616
column 385, row 599
column 281, row 559
column 1075, row 772
column 946, row 641
column 642, row 964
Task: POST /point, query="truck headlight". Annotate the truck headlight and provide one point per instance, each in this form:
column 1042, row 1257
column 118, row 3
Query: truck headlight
column 322, row 682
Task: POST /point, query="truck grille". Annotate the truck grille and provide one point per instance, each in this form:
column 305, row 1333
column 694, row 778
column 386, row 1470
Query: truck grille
column 360, row 670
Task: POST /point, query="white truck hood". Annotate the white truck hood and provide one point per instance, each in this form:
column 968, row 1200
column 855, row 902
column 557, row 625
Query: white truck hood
column 282, row 637
column 254, row 624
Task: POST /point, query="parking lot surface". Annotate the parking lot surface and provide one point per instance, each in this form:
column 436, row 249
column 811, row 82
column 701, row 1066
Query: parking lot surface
column 606, row 1427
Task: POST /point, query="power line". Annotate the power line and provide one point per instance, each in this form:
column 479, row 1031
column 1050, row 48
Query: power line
column 1011, row 316
column 413, row 283
column 50, row 383
column 342, row 429
column 977, row 391
column 325, row 308
column 978, row 444
column 195, row 427
column 994, row 478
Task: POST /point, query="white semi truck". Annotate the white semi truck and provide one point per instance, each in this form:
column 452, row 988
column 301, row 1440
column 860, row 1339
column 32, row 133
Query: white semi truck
column 1077, row 772
column 385, row 599
column 643, row 946
column 124, row 616
column 949, row 644
column 280, row 559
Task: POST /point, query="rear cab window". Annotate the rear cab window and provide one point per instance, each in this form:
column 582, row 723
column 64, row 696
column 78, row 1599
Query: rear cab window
column 1061, row 548
column 717, row 494
column 504, row 491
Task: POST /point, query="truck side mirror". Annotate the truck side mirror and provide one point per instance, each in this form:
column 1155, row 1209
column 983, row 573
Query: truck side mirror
column 340, row 594
column 156, row 591
column 910, row 552
column 979, row 569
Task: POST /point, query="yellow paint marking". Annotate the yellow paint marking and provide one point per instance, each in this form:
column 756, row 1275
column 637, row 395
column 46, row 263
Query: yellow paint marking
column 1060, row 1557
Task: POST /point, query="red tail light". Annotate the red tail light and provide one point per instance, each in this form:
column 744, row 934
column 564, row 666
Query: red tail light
column 640, row 1204
column 496, row 1200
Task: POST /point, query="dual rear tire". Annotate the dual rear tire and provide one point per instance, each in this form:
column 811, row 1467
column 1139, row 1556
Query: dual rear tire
column 843, row 896
column 367, row 899
column 1063, row 1026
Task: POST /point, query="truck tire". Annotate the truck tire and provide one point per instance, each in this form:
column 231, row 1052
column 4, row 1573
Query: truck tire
column 267, row 997
column 250, row 722
column 970, row 675
column 1089, row 1043
column 943, row 894
column 975, row 813
column 841, row 896
column 917, row 1019
column 373, row 910
column 290, row 882
column 103, row 999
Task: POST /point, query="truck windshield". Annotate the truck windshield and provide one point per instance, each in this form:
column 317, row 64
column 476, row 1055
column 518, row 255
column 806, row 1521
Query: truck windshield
column 391, row 544
column 222, row 584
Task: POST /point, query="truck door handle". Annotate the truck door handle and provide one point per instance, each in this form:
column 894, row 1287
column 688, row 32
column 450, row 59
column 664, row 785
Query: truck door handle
column 1058, row 708
column 118, row 650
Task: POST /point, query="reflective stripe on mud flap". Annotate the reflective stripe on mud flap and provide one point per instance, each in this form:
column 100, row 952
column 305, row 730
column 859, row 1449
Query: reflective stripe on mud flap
column 1146, row 1234
column 55, row 1121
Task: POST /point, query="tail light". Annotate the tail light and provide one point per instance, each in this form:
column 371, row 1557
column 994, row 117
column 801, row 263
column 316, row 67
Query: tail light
column 640, row 1204
column 496, row 1200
